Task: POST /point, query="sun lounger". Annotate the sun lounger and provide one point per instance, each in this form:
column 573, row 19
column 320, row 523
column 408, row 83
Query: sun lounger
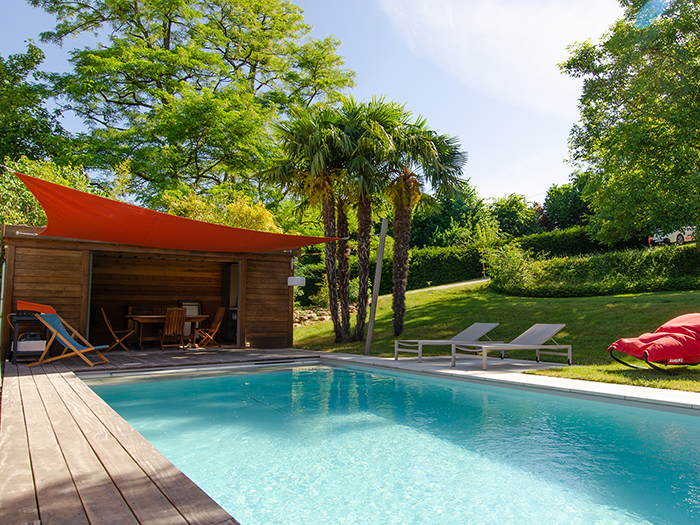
column 59, row 331
column 534, row 338
column 471, row 334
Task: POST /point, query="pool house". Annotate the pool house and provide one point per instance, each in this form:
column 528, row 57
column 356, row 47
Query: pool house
column 99, row 254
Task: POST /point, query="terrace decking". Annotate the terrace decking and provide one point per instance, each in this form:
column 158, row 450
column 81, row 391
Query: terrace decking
column 66, row 457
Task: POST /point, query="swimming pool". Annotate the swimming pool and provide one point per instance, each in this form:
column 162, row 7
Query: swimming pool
column 320, row 444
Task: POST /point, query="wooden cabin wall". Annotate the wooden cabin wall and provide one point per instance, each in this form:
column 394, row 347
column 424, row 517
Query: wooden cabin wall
column 55, row 277
column 268, row 314
column 122, row 281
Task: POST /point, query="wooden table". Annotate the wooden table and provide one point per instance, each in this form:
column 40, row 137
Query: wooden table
column 141, row 320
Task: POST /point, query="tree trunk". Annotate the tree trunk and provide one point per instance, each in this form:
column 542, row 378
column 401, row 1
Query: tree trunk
column 364, row 231
column 343, row 255
column 328, row 213
column 402, row 237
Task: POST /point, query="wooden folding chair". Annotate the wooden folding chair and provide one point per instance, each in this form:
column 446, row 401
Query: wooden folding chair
column 207, row 334
column 174, row 327
column 119, row 335
column 59, row 332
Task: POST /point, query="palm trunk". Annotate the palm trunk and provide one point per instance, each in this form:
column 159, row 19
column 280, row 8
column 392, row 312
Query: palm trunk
column 402, row 238
column 343, row 256
column 364, row 230
column 328, row 213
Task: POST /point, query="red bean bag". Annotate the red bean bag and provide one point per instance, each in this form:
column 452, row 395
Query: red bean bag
column 677, row 342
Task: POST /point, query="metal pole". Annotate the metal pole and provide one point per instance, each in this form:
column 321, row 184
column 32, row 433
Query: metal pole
column 375, row 285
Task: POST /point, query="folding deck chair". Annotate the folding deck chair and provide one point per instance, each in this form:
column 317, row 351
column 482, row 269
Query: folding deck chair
column 59, row 332
column 207, row 334
column 471, row 334
column 531, row 339
column 118, row 335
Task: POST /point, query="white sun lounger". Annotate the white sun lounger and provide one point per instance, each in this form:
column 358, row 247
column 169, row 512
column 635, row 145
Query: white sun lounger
column 470, row 335
column 531, row 339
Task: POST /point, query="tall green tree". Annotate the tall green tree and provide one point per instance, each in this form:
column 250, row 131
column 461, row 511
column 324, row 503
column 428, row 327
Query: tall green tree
column 464, row 211
column 27, row 127
column 638, row 136
column 315, row 151
column 421, row 157
column 187, row 91
column 371, row 127
column 515, row 215
column 564, row 206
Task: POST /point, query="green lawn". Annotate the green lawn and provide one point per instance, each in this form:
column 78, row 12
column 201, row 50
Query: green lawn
column 592, row 324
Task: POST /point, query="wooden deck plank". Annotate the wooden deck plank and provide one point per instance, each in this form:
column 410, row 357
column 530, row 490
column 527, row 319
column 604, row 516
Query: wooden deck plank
column 143, row 497
column 56, row 494
column 194, row 504
column 17, row 497
column 101, row 499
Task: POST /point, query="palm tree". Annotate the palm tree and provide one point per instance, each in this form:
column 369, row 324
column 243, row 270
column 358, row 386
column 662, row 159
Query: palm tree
column 316, row 150
column 422, row 156
column 371, row 126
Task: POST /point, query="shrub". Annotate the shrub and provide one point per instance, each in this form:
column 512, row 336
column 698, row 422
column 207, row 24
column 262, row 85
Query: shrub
column 509, row 267
column 517, row 272
column 321, row 298
column 433, row 266
column 572, row 241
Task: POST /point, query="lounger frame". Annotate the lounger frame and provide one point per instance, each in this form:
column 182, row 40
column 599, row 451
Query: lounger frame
column 471, row 335
column 532, row 339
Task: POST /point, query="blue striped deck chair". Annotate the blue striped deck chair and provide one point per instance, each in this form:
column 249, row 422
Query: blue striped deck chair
column 59, row 332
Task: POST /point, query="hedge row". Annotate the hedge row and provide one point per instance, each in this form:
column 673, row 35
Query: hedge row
column 625, row 271
column 431, row 266
column 572, row 241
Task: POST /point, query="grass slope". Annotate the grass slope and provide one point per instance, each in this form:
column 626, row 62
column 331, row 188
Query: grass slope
column 592, row 324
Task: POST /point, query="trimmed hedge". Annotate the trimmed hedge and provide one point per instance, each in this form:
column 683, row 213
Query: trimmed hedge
column 627, row 271
column 442, row 265
column 437, row 265
column 572, row 241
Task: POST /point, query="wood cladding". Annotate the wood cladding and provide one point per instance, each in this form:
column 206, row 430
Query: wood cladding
column 55, row 277
column 120, row 282
column 268, row 315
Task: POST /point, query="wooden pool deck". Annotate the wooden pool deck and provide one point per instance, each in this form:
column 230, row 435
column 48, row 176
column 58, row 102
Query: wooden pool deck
column 68, row 458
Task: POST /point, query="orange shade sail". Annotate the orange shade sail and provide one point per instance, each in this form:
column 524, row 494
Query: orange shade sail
column 74, row 214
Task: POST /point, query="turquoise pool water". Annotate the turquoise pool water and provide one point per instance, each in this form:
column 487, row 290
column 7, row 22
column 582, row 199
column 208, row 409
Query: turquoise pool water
column 324, row 445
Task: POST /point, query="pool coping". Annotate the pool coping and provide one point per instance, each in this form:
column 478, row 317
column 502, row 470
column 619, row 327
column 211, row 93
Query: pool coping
column 510, row 375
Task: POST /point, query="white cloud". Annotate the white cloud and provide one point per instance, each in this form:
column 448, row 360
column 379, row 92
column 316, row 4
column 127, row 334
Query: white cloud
column 506, row 49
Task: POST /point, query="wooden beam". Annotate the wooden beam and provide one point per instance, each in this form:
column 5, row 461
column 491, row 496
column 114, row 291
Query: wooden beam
column 243, row 301
column 7, row 286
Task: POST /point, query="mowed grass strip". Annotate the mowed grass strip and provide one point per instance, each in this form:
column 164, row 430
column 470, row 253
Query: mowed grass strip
column 592, row 324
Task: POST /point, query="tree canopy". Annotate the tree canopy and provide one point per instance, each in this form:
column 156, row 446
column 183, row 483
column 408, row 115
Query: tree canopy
column 638, row 136
column 564, row 206
column 27, row 127
column 515, row 215
column 187, row 91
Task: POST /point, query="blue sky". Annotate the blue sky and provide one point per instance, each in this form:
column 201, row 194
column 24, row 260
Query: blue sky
column 483, row 70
